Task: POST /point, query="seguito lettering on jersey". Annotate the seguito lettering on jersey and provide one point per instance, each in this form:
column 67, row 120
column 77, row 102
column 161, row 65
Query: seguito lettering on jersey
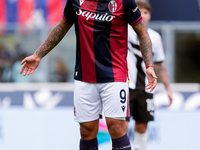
column 96, row 16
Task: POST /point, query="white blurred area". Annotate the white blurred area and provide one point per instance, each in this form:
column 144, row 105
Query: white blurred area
column 186, row 97
column 22, row 129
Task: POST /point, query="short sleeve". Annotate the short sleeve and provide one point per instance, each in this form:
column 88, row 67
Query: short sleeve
column 68, row 15
column 132, row 14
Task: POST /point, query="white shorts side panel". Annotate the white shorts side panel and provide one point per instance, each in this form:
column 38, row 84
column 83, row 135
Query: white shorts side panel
column 87, row 102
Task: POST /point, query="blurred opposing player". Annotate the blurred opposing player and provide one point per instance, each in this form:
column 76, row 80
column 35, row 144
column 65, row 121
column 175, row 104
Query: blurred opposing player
column 101, row 67
column 141, row 100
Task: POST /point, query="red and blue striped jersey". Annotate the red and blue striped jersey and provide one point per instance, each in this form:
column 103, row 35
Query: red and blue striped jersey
column 101, row 36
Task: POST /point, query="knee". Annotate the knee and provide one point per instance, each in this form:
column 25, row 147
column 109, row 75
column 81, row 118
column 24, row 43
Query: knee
column 140, row 127
column 116, row 128
column 85, row 131
column 88, row 132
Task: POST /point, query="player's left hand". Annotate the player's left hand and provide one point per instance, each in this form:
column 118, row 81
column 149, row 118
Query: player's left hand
column 152, row 79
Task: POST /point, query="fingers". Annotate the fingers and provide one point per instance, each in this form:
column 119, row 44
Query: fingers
column 151, row 85
column 29, row 65
column 26, row 70
column 23, row 61
column 154, row 76
column 23, row 67
column 152, row 80
column 170, row 102
column 30, row 71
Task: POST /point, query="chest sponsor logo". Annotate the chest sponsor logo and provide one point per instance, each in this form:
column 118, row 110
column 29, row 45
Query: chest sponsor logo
column 112, row 6
column 90, row 15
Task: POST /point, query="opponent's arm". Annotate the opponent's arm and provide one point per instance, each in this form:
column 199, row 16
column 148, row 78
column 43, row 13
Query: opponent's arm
column 162, row 74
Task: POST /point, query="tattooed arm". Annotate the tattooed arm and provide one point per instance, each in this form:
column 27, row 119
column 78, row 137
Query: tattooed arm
column 146, row 49
column 30, row 63
column 55, row 36
column 145, row 43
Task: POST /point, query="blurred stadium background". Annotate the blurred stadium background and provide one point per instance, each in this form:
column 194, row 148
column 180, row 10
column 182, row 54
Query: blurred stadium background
column 36, row 112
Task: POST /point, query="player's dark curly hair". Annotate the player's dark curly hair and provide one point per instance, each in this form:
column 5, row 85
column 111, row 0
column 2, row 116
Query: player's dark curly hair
column 144, row 4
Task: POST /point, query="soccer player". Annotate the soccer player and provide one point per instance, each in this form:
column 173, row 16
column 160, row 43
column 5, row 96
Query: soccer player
column 141, row 99
column 101, row 71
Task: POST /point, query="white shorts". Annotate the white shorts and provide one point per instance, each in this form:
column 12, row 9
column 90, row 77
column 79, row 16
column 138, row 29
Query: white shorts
column 90, row 99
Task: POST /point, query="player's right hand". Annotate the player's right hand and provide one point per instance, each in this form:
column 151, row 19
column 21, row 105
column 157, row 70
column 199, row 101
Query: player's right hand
column 30, row 63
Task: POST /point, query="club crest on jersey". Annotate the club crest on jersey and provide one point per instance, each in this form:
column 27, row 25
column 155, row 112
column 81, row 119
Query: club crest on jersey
column 112, row 6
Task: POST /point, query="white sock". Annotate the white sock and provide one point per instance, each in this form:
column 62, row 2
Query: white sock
column 140, row 141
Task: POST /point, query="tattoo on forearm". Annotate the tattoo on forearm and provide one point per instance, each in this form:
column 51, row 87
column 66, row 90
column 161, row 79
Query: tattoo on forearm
column 146, row 50
column 145, row 44
column 52, row 40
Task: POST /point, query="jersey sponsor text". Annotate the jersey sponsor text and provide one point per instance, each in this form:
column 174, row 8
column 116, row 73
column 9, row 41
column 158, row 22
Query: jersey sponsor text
column 96, row 16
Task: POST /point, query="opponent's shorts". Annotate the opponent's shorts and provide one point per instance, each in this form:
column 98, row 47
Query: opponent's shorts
column 141, row 105
column 90, row 99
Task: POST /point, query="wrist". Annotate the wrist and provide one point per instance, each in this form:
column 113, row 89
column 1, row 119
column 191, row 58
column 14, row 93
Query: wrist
column 35, row 55
column 149, row 66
